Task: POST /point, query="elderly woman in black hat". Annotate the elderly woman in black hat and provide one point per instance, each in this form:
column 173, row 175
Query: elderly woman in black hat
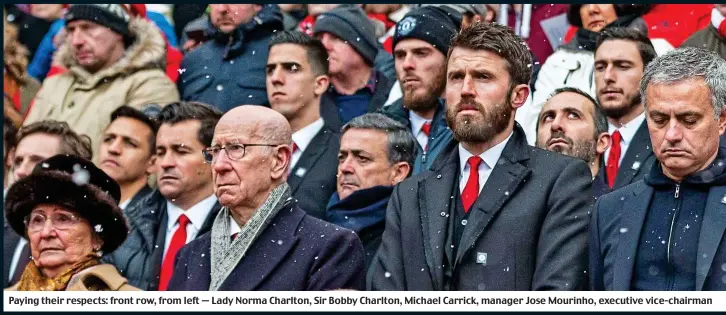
column 68, row 210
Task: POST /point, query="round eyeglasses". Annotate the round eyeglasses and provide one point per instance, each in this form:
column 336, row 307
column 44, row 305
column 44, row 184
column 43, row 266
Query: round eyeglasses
column 234, row 151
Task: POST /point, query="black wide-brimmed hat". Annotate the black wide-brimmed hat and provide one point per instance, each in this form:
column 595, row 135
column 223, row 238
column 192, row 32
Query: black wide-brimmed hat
column 74, row 183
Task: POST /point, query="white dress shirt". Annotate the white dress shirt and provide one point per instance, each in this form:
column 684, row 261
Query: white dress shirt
column 627, row 133
column 234, row 228
column 417, row 123
column 197, row 214
column 302, row 139
column 125, row 204
column 489, row 157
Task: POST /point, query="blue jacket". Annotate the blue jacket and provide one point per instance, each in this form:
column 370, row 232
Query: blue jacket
column 229, row 69
column 363, row 212
column 43, row 59
column 659, row 235
column 439, row 137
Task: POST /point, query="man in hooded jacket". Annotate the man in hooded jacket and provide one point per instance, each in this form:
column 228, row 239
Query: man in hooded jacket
column 228, row 68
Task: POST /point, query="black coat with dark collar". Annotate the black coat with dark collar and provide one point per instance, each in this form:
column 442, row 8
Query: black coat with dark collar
column 295, row 252
column 637, row 161
column 617, row 227
column 526, row 231
column 139, row 258
column 313, row 179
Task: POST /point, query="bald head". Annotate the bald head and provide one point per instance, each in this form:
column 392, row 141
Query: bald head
column 259, row 139
column 255, row 124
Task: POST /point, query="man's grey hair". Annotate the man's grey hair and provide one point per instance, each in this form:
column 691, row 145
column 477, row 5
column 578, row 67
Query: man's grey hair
column 401, row 144
column 685, row 64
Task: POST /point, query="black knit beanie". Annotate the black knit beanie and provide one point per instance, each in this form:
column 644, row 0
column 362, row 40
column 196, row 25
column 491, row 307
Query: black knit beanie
column 430, row 24
column 114, row 16
column 351, row 24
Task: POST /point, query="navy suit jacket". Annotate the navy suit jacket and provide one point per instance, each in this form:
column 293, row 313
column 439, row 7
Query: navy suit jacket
column 295, row 252
column 313, row 179
column 615, row 230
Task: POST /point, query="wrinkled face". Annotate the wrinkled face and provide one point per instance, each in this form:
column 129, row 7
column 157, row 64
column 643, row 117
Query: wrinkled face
column 56, row 249
column 596, row 16
column 48, row 12
column 31, row 150
column 227, row 17
column 566, row 125
column 363, row 161
column 94, row 46
column 341, row 56
column 125, row 150
column 318, row 9
column 179, row 160
column 477, row 95
column 421, row 69
column 683, row 130
column 291, row 83
column 242, row 182
column 618, row 69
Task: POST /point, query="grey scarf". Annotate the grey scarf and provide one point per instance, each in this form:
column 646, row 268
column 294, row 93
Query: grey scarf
column 225, row 253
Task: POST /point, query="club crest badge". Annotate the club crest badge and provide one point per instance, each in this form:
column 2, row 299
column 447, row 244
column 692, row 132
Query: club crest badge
column 406, row 26
column 636, row 165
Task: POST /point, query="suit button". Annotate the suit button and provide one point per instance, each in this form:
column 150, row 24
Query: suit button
column 463, row 222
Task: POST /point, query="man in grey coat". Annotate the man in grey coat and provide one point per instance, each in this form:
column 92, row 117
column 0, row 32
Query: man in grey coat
column 518, row 221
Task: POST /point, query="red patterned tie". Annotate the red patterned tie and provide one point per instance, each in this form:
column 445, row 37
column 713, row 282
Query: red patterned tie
column 471, row 190
column 426, row 128
column 613, row 159
column 177, row 241
column 295, row 147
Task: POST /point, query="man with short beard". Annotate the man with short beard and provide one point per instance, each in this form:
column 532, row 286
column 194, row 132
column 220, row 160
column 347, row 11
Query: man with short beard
column 492, row 213
column 620, row 59
column 572, row 123
column 420, row 45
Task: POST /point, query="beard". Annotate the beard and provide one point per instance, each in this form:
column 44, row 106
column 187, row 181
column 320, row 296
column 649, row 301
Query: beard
column 472, row 128
column 618, row 111
column 582, row 149
column 428, row 99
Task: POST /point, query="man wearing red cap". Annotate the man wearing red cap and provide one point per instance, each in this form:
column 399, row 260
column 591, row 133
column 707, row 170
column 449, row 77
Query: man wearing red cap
column 113, row 58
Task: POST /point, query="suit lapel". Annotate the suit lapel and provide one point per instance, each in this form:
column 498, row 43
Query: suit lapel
column 502, row 184
column 633, row 161
column 434, row 197
column 157, row 253
column 207, row 226
column 10, row 242
column 712, row 230
column 632, row 217
column 309, row 157
column 267, row 252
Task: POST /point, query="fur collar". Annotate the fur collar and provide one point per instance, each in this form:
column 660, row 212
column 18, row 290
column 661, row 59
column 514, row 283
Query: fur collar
column 148, row 51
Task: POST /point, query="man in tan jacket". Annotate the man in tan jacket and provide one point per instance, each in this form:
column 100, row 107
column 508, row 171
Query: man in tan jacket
column 112, row 59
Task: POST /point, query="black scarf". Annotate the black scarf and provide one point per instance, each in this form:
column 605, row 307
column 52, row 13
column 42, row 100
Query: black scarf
column 586, row 40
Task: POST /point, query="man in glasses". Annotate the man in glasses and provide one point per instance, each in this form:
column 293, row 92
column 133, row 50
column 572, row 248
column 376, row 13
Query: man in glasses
column 262, row 239
column 184, row 205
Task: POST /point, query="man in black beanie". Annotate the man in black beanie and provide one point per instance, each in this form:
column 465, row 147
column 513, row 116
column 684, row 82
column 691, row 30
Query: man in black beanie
column 420, row 45
column 356, row 87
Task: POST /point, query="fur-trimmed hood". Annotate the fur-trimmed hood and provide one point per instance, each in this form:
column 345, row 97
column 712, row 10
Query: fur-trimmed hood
column 147, row 51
